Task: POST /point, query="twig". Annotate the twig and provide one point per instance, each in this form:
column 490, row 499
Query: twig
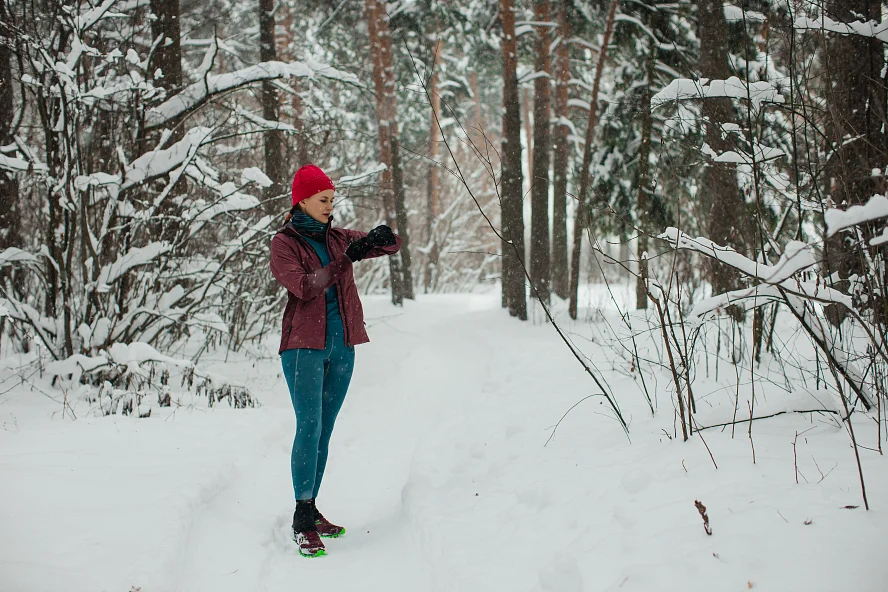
column 702, row 509
column 720, row 425
column 549, row 316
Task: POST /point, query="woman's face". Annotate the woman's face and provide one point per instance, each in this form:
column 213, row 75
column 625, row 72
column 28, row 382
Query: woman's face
column 319, row 206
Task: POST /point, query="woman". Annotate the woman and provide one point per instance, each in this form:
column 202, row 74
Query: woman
column 323, row 321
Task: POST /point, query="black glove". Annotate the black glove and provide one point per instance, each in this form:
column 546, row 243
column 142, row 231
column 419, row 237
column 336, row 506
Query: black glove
column 382, row 236
column 359, row 249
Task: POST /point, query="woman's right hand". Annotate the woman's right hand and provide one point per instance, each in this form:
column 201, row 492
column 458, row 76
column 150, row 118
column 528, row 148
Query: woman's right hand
column 357, row 250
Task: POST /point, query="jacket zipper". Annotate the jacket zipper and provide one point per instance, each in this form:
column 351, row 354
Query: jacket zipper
column 321, row 263
column 338, row 295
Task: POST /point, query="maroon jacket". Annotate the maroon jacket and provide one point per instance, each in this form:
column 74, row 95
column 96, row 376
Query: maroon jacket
column 297, row 267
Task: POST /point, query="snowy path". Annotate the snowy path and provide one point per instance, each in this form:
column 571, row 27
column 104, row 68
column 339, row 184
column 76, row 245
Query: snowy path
column 398, row 395
column 438, row 469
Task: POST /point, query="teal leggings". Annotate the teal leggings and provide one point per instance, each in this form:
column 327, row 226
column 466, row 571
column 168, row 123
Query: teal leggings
column 318, row 380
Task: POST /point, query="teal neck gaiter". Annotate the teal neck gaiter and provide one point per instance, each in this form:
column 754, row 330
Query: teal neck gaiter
column 306, row 225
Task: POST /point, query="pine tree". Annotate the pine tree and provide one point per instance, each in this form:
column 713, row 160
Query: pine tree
column 539, row 183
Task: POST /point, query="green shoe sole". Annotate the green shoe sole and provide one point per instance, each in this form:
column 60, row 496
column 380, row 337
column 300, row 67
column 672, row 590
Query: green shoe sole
column 320, row 553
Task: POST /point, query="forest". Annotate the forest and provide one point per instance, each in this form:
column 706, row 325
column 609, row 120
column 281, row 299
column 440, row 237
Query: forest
column 686, row 196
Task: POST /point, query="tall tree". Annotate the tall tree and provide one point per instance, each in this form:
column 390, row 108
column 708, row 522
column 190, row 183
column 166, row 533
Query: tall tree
column 513, row 275
column 386, row 113
column 168, row 55
column 539, row 181
column 582, row 206
column 728, row 223
column 643, row 179
column 10, row 235
column 288, row 42
column 561, row 152
column 856, row 96
column 432, row 186
column 273, row 141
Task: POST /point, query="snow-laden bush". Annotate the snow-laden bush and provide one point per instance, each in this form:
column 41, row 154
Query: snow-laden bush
column 143, row 232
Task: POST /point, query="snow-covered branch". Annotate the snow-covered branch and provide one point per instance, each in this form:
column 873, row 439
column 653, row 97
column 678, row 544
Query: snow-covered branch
column 682, row 89
column 875, row 209
column 193, row 96
column 863, row 28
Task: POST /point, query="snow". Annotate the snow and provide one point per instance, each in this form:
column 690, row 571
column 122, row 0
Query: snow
column 761, row 154
column 232, row 201
column 84, row 182
column 12, row 255
column 797, row 256
column 735, row 14
column 194, row 94
column 685, row 88
column 863, row 28
column 875, row 209
column 439, row 469
column 12, row 163
column 159, row 162
column 135, row 257
column 88, row 18
column 257, row 176
column 265, row 123
column 522, row 30
column 75, row 365
column 579, row 104
column 350, row 180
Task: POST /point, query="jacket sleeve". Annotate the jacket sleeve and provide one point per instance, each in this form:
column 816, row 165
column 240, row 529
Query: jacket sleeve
column 354, row 235
column 288, row 271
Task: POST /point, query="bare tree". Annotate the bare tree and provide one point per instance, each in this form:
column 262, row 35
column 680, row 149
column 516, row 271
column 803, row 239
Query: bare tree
column 580, row 218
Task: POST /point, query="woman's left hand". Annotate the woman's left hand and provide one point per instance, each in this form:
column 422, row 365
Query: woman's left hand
column 382, row 236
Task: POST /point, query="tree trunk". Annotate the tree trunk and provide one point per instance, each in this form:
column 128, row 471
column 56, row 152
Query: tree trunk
column 728, row 223
column 580, row 218
column 539, row 181
column 513, row 276
column 380, row 45
column 10, row 225
column 385, row 38
column 644, row 182
column 168, row 56
column 856, row 98
column 561, row 149
column 432, row 186
column 273, row 140
column 528, row 133
column 302, row 156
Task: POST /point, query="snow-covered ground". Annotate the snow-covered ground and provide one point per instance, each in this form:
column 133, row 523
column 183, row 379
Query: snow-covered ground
column 441, row 471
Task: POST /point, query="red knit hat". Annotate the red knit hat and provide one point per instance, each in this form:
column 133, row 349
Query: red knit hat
column 309, row 180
